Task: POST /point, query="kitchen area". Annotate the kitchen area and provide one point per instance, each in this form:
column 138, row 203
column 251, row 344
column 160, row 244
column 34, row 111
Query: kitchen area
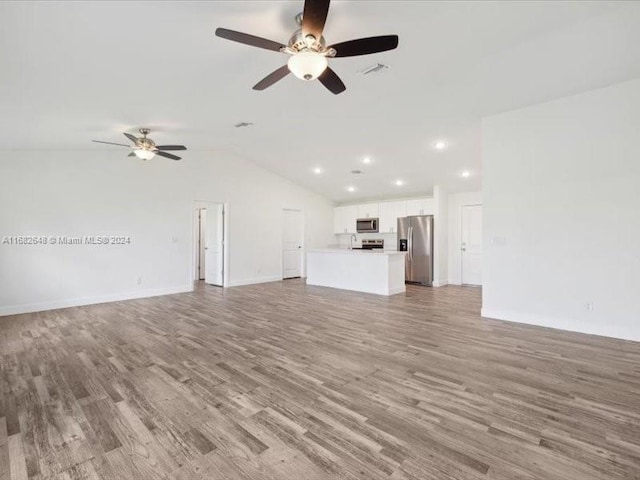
column 382, row 246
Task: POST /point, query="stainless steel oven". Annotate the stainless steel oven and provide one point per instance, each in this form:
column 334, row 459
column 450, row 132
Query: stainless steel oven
column 367, row 225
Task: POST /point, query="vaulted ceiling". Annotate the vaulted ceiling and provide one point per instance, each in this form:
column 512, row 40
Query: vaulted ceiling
column 74, row 71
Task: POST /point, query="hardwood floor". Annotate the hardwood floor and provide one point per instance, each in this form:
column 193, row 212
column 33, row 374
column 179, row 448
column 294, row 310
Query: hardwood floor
column 283, row 381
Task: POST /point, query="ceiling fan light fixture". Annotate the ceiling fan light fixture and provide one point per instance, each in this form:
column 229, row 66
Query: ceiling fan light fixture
column 144, row 154
column 307, row 65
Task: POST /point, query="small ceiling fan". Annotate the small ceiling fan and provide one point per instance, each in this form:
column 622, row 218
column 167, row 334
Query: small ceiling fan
column 145, row 148
column 308, row 49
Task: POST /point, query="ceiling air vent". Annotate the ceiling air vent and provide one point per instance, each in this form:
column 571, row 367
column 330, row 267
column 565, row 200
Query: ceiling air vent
column 243, row 124
column 357, row 172
column 377, row 68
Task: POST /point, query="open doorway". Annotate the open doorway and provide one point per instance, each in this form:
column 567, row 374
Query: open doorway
column 210, row 243
column 292, row 242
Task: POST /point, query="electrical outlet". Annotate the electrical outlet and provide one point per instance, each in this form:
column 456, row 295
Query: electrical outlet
column 588, row 306
column 139, row 280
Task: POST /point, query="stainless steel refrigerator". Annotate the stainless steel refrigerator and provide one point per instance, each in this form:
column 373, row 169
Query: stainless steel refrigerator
column 415, row 236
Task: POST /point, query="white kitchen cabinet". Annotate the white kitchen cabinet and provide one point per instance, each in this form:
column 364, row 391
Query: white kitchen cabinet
column 421, row 206
column 344, row 219
column 389, row 214
column 368, row 210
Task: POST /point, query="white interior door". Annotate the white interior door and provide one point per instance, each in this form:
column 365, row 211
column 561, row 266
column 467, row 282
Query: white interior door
column 202, row 228
column 214, row 245
column 472, row 245
column 292, row 244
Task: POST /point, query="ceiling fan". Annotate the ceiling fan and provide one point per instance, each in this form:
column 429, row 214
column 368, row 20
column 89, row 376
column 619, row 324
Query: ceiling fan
column 145, row 148
column 308, row 49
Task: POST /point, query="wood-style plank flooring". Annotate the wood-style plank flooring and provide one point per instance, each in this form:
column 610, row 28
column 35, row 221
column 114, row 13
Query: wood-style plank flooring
column 283, row 381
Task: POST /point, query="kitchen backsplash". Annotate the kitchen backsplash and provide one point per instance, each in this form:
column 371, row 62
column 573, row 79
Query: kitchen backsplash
column 390, row 239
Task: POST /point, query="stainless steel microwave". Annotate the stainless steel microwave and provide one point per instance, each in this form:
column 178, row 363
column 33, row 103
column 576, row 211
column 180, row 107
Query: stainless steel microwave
column 367, row 225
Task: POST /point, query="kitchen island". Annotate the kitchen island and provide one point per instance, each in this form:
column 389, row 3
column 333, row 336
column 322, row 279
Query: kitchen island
column 371, row 271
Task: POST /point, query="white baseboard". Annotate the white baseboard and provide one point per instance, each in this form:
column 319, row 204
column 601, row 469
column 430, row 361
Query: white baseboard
column 78, row 302
column 564, row 324
column 395, row 291
column 253, row 281
column 440, row 283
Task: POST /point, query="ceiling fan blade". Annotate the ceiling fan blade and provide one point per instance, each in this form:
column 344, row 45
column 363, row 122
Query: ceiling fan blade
column 171, row 147
column 131, row 137
column 314, row 16
column 272, row 78
column 247, row 39
column 332, row 81
column 111, row 143
column 168, row 155
column 366, row 46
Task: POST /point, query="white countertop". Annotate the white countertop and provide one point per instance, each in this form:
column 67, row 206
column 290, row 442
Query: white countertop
column 355, row 252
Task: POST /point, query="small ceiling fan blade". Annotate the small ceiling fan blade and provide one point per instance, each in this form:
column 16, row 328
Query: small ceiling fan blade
column 366, row 46
column 168, row 155
column 272, row 78
column 171, row 147
column 332, row 81
column 314, row 16
column 131, row 137
column 247, row 39
column 111, row 143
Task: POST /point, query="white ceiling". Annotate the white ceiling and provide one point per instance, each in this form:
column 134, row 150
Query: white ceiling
column 74, row 71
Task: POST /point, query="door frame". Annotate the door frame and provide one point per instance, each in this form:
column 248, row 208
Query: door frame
column 303, row 256
column 462, row 207
column 195, row 240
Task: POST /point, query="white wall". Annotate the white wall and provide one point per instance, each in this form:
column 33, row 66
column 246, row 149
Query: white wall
column 106, row 193
column 561, row 188
column 456, row 202
column 441, row 237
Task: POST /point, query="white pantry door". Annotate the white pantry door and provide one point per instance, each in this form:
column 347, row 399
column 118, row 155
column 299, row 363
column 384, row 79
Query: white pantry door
column 472, row 245
column 292, row 244
column 214, row 245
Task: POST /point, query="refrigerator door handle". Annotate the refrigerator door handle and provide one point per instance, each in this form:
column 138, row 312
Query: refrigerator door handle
column 410, row 243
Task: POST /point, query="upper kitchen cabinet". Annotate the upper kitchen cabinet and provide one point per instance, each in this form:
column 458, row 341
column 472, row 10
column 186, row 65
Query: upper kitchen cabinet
column 344, row 219
column 369, row 210
column 422, row 206
column 389, row 214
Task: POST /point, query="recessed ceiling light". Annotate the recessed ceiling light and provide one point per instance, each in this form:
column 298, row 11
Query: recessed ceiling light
column 351, row 189
column 366, row 160
column 399, row 183
column 317, row 170
column 440, row 145
column 466, row 174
